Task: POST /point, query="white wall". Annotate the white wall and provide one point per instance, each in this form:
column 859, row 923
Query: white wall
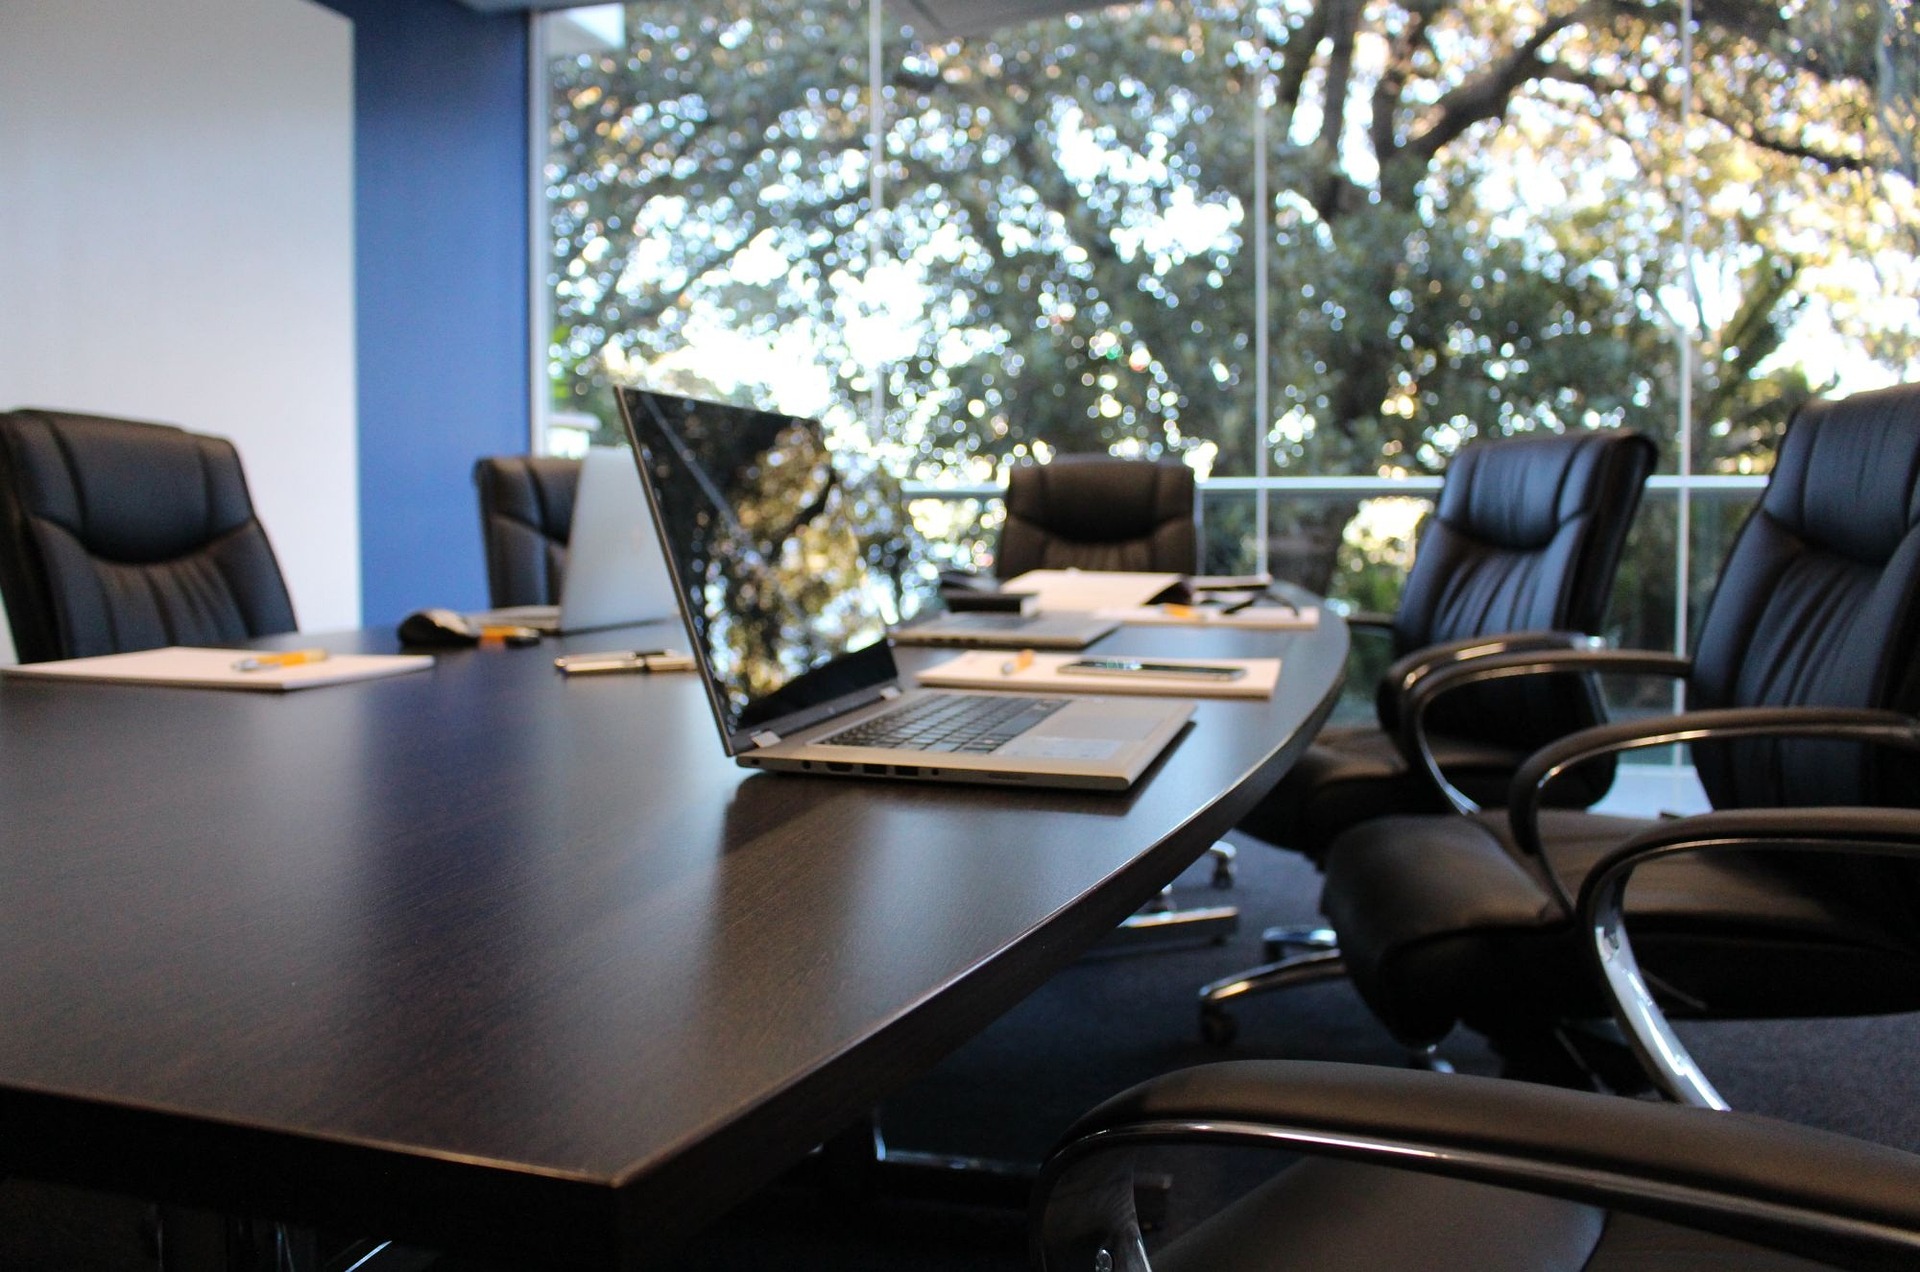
column 176, row 244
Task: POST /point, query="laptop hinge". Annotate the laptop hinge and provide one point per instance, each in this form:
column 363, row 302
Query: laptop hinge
column 765, row 738
column 890, row 693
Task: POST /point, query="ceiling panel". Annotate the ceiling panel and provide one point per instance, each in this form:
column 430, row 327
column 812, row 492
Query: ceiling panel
column 977, row 17
column 929, row 17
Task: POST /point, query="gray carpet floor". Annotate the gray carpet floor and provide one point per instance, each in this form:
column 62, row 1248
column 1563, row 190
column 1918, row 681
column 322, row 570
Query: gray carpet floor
column 1115, row 1019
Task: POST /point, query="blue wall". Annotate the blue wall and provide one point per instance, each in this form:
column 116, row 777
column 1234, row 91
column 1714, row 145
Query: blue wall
column 440, row 102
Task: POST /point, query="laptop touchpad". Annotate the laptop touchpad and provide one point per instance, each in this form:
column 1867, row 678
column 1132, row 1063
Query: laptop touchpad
column 1106, row 718
column 1048, row 747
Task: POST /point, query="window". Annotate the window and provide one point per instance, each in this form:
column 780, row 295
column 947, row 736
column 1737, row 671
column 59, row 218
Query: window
column 1308, row 248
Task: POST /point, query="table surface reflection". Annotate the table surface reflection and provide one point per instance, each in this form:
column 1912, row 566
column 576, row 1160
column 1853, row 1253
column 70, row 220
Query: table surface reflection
column 488, row 958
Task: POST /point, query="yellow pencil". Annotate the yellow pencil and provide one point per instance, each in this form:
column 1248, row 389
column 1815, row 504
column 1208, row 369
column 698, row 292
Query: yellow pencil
column 287, row 658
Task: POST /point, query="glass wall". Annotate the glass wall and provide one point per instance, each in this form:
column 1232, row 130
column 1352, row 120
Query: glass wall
column 1276, row 239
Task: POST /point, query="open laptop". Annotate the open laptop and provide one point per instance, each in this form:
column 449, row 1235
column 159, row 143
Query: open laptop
column 616, row 574
column 787, row 606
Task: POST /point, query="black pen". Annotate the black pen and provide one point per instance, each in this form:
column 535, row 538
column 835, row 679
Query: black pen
column 1256, row 598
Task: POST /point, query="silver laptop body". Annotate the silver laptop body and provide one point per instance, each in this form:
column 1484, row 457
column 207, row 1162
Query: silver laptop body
column 985, row 629
column 616, row 574
column 787, row 608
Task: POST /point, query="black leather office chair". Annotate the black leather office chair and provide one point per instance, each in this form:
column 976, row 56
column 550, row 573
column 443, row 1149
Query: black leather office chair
column 1520, row 552
column 117, row 535
column 1095, row 512
column 1801, row 692
column 1435, row 1172
column 526, row 517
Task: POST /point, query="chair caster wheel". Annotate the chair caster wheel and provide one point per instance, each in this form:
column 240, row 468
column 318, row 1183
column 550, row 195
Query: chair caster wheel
column 1217, row 1027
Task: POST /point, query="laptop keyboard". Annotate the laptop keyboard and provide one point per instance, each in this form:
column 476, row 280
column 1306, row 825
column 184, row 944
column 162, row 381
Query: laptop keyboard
column 971, row 723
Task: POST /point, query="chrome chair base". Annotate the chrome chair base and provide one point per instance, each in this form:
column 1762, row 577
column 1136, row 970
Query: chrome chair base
column 1162, row 920
column 1217, row 1024
column 1206, row 922
column 1278, row 940
column 1222, row 854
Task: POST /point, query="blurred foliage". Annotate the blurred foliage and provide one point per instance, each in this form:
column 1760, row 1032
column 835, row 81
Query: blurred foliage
column 1478, row 225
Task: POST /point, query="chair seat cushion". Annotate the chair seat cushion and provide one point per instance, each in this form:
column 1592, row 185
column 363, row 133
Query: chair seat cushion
column 1323, row 1215
column 1442, row 919
column 1354, row 773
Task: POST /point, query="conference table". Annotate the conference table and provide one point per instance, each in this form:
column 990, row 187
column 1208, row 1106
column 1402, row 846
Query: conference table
column 491, row 960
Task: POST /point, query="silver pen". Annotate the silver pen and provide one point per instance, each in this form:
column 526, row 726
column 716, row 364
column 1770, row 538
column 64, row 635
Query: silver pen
column 641, row 660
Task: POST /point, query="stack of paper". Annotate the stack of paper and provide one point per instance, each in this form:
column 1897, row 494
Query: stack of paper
column 222, row 669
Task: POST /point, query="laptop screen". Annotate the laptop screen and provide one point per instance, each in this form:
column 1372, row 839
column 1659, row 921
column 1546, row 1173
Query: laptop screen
column 788, row 575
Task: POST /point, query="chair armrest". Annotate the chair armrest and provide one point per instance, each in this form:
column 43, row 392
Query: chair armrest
column 1840, row 724
column 1413, row 740
column 1750, row 1178
column 1406, row 672
column 1371, row 620
column 1878, row 831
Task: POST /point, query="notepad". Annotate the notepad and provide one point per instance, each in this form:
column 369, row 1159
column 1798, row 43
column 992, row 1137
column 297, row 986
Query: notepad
column 1079, row 591
column 192, row 668
column 999, row 669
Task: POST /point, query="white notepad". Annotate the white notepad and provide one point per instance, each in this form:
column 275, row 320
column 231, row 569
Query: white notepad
column 1002, row 669
column 1079, row 591
column 215, row 669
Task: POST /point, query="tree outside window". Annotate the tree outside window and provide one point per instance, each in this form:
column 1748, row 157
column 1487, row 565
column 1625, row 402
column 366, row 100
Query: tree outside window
column 1475, row 218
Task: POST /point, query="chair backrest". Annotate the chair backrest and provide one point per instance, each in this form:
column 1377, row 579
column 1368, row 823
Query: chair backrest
column 1526, row 536
column 1095, row 512
column 526, row 518
column 117, row 535
column 1818, row 604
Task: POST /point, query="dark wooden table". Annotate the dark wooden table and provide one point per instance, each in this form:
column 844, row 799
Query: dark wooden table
column 486, row 959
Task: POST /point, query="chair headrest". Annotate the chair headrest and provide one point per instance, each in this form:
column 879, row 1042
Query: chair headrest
column 1519, row 492
column 1847, row 478
column 128, row 492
